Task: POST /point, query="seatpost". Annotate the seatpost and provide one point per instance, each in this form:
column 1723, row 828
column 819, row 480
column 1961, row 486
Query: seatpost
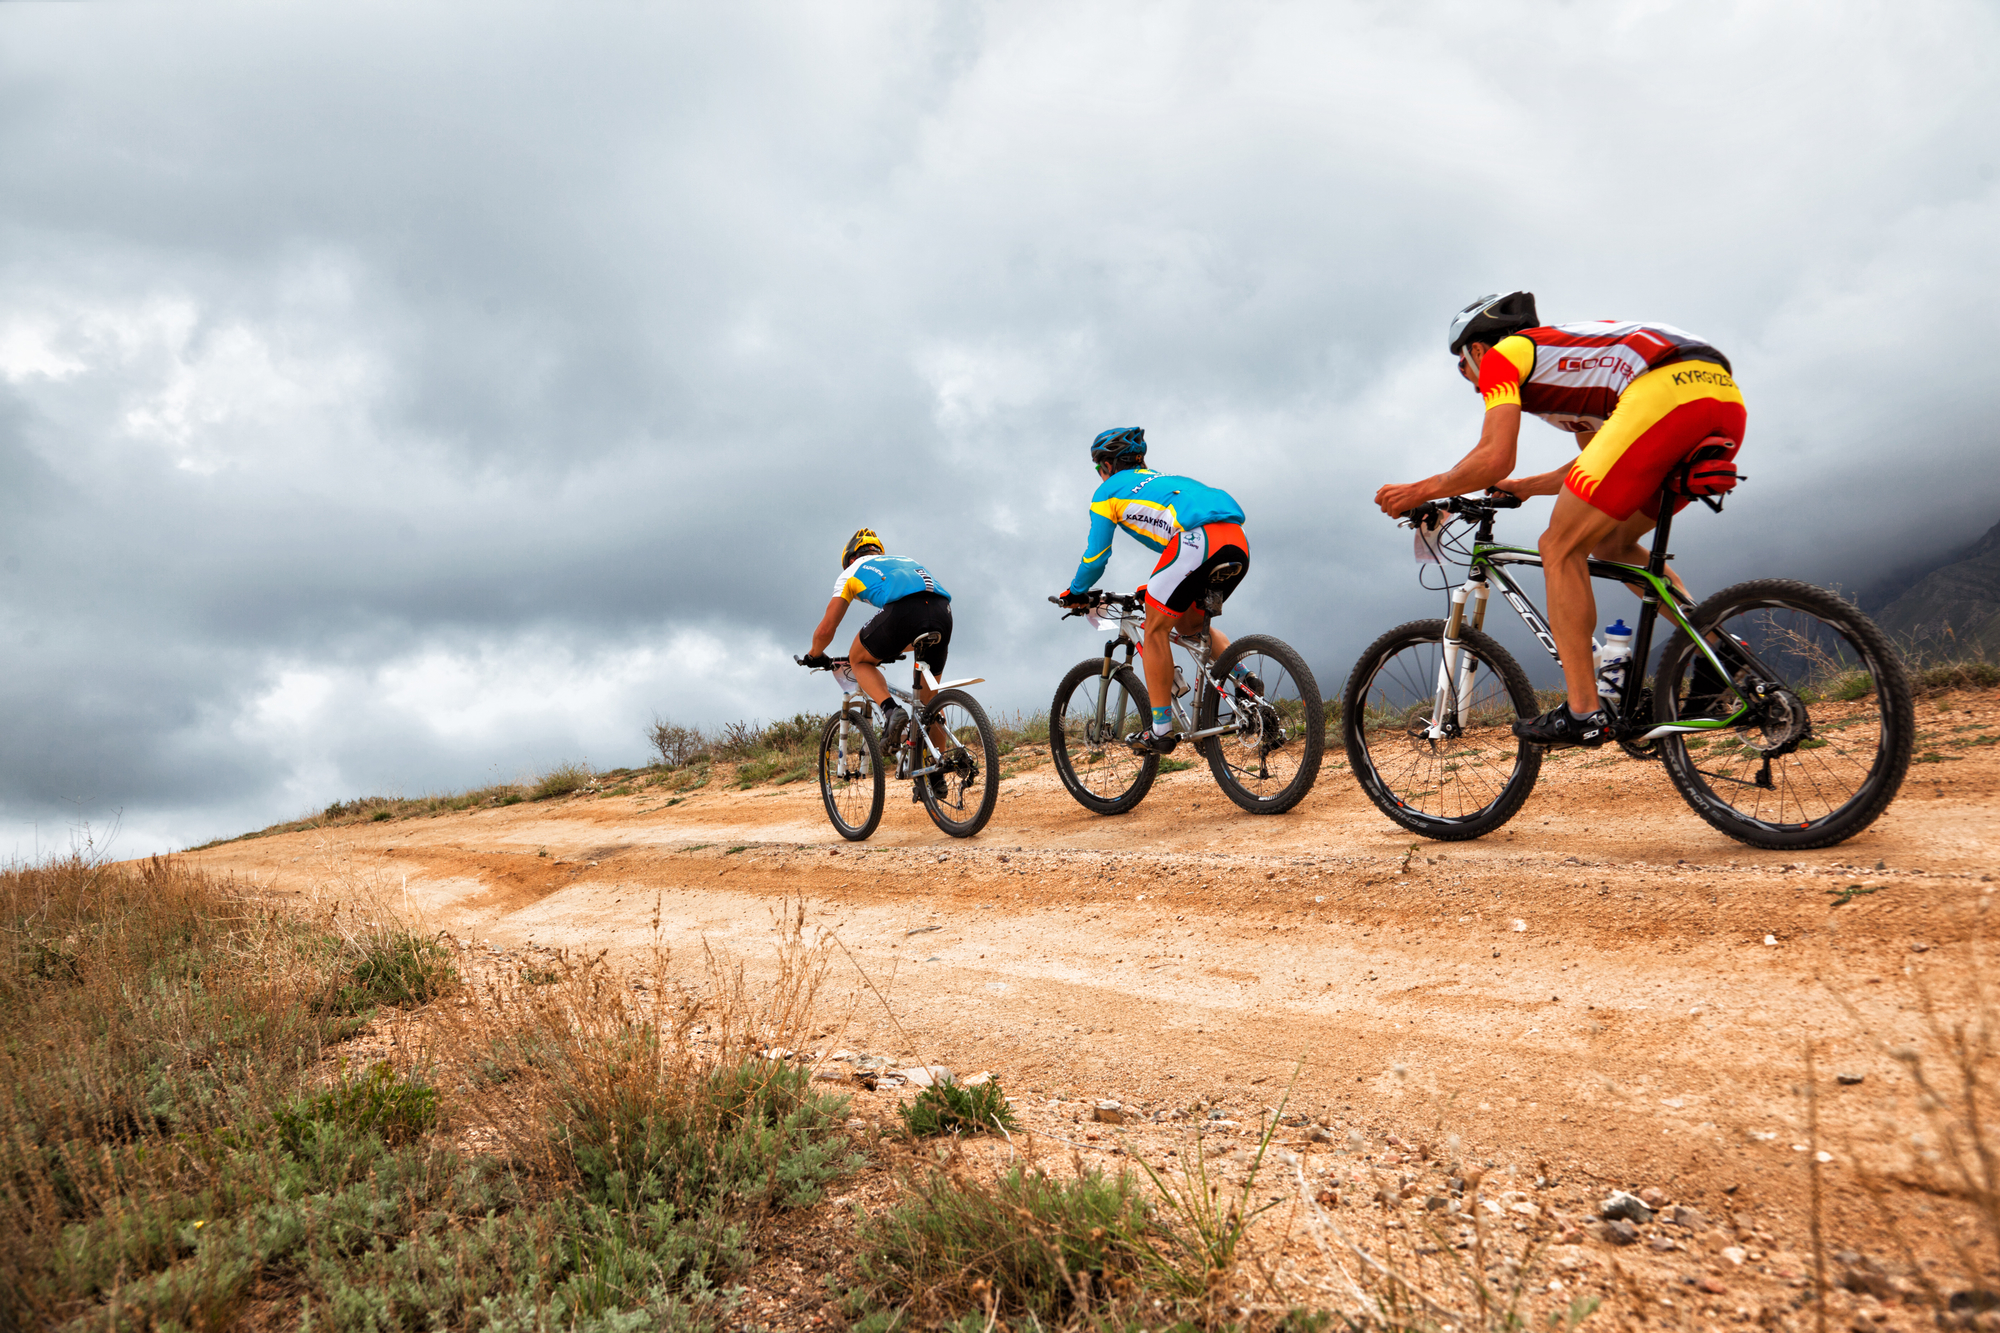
column 1658, row 564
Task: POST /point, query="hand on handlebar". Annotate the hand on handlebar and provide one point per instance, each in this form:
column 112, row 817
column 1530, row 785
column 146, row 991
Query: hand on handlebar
column 815, row 661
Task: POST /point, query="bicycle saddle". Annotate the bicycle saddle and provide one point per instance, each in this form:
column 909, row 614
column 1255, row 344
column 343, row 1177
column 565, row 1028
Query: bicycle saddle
column 925, row 640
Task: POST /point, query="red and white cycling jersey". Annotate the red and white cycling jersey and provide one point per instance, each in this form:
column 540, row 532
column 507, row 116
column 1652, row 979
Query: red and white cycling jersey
column 1570, row 375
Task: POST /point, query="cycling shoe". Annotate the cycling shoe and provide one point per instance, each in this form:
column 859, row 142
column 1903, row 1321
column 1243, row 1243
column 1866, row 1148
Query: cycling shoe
column 1559, row 728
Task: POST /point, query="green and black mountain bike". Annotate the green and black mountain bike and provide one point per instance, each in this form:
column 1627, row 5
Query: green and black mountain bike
column 1782, row 714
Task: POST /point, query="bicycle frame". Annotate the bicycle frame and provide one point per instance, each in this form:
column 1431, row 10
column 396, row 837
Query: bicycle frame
column 921, row 678
column 1658, row 596
column 1131, row 622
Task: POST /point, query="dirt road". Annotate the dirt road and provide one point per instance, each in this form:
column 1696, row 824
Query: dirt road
column 1608, row 988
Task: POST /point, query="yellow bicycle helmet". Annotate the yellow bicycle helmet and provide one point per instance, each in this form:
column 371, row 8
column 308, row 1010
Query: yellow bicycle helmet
column 862, row 539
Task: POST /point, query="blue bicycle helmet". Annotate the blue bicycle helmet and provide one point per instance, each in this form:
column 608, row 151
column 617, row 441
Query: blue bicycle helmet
column 1118, row 442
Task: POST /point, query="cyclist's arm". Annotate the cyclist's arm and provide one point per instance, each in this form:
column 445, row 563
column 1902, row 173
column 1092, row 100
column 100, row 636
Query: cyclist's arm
column 1490, row 460
column 828, row 623
column 1546, row 483
column 1096, row 552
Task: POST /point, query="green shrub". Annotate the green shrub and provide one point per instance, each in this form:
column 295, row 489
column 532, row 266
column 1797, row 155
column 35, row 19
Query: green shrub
column 398, row 971
column 754, row 1133
column 395, row 1108
column 1041, row 1249
column 562, row 780
column 1960, row 675
column 952, row 1108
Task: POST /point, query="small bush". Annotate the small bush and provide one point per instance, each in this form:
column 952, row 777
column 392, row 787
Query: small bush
column 675, row 743
column 737, row 740
column 798, row 732
column 382, row 1102
column 952, row 1108
column 397, row 971
column 1963, row 675
column 1037, row 1248
column 562, row 780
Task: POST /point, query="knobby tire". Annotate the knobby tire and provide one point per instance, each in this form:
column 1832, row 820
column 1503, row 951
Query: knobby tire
column 1101, row 787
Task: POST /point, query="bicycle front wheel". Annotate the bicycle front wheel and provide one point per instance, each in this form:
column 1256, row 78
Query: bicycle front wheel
column 1268, row 758
column 1088, row 721
column 1823, row 717
column 1434, row 749
column 960, row 796
column 850, row 775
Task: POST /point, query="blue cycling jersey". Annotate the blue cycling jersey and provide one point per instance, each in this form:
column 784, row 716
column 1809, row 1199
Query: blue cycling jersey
column 882, row 579
column 1152, row 507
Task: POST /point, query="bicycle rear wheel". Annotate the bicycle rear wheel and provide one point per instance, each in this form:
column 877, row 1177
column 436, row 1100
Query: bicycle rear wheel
column 1826, row 721
column 1087, row 723
column 970, row 766
column 850, row 775
column 1269, row 757
column 1462, row 777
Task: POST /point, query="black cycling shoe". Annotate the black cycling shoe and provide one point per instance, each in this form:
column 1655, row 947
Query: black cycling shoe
column 1559, row 728
column 1145, row 742
column 940, row 789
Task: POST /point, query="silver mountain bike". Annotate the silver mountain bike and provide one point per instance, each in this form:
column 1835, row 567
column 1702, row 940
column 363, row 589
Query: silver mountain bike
column 1262, row 744
column 951, row 757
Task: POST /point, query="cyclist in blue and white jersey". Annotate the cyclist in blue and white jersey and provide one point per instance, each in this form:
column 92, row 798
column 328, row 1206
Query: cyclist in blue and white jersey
column 911, row 603
column 1194, row 528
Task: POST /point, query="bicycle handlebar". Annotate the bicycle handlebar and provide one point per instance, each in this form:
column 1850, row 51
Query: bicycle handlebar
column 1084, row 603
column 1464, row 506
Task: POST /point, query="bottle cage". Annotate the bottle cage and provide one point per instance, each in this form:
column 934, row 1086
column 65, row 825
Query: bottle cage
column 1708, row 473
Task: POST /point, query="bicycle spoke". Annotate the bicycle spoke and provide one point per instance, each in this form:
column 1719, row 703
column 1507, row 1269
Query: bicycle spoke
column 1098, row 756
column 1449, row 777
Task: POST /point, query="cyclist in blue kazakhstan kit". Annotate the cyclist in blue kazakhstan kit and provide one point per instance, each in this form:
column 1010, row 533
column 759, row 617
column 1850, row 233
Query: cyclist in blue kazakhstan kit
column 1194, row 528
column 912, row 603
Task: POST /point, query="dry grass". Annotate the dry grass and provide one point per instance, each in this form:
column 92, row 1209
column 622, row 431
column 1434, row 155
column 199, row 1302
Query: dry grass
column 1951, row 1152
column 187, row 1146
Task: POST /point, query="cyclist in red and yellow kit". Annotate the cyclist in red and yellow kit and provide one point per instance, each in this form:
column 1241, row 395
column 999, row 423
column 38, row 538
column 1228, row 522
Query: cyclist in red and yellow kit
column 1639, row 398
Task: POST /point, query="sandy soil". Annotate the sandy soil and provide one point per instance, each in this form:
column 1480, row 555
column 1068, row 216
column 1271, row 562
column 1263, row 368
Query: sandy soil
column 1607, row 993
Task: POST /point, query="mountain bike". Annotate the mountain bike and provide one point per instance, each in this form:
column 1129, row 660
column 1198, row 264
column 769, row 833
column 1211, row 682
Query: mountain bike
column 1782, row 714
column 1263, row 746
column 951, row 757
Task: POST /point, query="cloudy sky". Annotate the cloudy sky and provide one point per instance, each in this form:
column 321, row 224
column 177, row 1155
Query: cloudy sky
column 406, row 397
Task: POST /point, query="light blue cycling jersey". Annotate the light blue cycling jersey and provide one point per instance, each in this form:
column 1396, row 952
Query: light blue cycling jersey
column 882, row 579
column 1152, row 507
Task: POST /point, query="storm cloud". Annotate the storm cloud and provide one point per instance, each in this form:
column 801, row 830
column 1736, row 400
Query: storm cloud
column 405, row 397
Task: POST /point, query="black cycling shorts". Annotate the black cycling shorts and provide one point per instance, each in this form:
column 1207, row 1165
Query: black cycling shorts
column 890, row 632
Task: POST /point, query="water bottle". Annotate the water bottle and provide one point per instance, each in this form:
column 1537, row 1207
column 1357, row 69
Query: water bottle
column 1611, row 661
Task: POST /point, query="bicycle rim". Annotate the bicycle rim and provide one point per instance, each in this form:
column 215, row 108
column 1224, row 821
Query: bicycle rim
column 969, row 764
column 1823, row 751
column 1269, row 755
column 1088, row 721
column 851, row 780
column 1464, row 782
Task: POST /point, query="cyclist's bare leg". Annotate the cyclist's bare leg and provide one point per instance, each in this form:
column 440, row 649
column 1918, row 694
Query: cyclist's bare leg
column 1575, row 530
column 867, row 671
column 1623, row 546
column 1158, row 652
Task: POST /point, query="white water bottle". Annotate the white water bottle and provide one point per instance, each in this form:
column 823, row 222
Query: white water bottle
column 1612, row 661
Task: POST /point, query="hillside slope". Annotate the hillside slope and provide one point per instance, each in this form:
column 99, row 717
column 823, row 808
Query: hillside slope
column 1954, row 609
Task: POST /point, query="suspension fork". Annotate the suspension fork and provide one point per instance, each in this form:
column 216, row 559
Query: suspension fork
column 1104, row 687
column 1456, row 666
